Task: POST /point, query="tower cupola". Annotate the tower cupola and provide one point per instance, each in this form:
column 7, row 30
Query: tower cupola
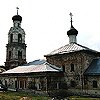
column 17, row 17
column 72, row 33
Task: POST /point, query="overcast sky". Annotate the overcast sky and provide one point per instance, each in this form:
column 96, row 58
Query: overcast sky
column 46, row 23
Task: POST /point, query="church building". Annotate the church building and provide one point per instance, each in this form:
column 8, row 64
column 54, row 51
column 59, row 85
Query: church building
column 72, row 67
column 38, row 75
column 80, row 64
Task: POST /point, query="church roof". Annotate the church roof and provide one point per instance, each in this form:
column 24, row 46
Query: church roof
column 71, row 47
column 36, row 62
column 94, row 68
column 2, row 70
column 35, row 66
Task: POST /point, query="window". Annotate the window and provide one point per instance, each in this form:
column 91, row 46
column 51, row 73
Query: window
column 19, row 54
column 0, row 82
column 38, row 86
column 15, row 84
column 9, row 54
column 25, row 84
column 72, row 67
column 72, row 84
column 57, row 85
column 63, row 68
column 21, row 84
column 18, row 24
column 11, row 38
column 19, row 38
column 94, row 84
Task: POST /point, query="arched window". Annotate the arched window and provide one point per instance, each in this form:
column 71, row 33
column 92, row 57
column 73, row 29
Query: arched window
column 72, row 67
column 94, row 84
column 19, row 38
column 11, row 38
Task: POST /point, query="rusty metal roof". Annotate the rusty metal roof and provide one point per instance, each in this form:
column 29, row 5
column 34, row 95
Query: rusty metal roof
column 72, row 47
column 33, row 67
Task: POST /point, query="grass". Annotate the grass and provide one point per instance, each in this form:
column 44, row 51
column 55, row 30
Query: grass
column 82, row 98
column 19, row 95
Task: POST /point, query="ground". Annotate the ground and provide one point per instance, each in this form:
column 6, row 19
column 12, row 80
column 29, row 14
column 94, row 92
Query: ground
column 21, row 96
column 26, row 96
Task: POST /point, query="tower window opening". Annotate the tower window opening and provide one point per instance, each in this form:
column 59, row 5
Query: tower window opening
column 9, row 54
column 72, row 67
column 19, row 38
column 94, row 84
column 18, row 24
column 11, row 38
column 19, row 54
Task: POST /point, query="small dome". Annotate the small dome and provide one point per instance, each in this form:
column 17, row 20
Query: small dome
column 17, row 18
column 72, row 31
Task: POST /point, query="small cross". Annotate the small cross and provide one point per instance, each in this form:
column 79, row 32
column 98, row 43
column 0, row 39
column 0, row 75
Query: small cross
column 71, row 15
column 71, row 18
column 17, row 10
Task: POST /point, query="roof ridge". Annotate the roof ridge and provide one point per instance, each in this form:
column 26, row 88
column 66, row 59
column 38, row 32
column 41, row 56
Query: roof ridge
column 71, row 47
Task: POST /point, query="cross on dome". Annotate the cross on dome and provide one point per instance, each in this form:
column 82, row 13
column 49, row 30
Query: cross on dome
column 71, row 19
column 17, row 10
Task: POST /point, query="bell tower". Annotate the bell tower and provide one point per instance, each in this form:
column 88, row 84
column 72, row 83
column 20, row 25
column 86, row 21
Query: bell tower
column 16, row 47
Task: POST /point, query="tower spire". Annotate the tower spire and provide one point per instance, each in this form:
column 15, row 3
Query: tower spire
column 17, row 10
column 71, row 19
